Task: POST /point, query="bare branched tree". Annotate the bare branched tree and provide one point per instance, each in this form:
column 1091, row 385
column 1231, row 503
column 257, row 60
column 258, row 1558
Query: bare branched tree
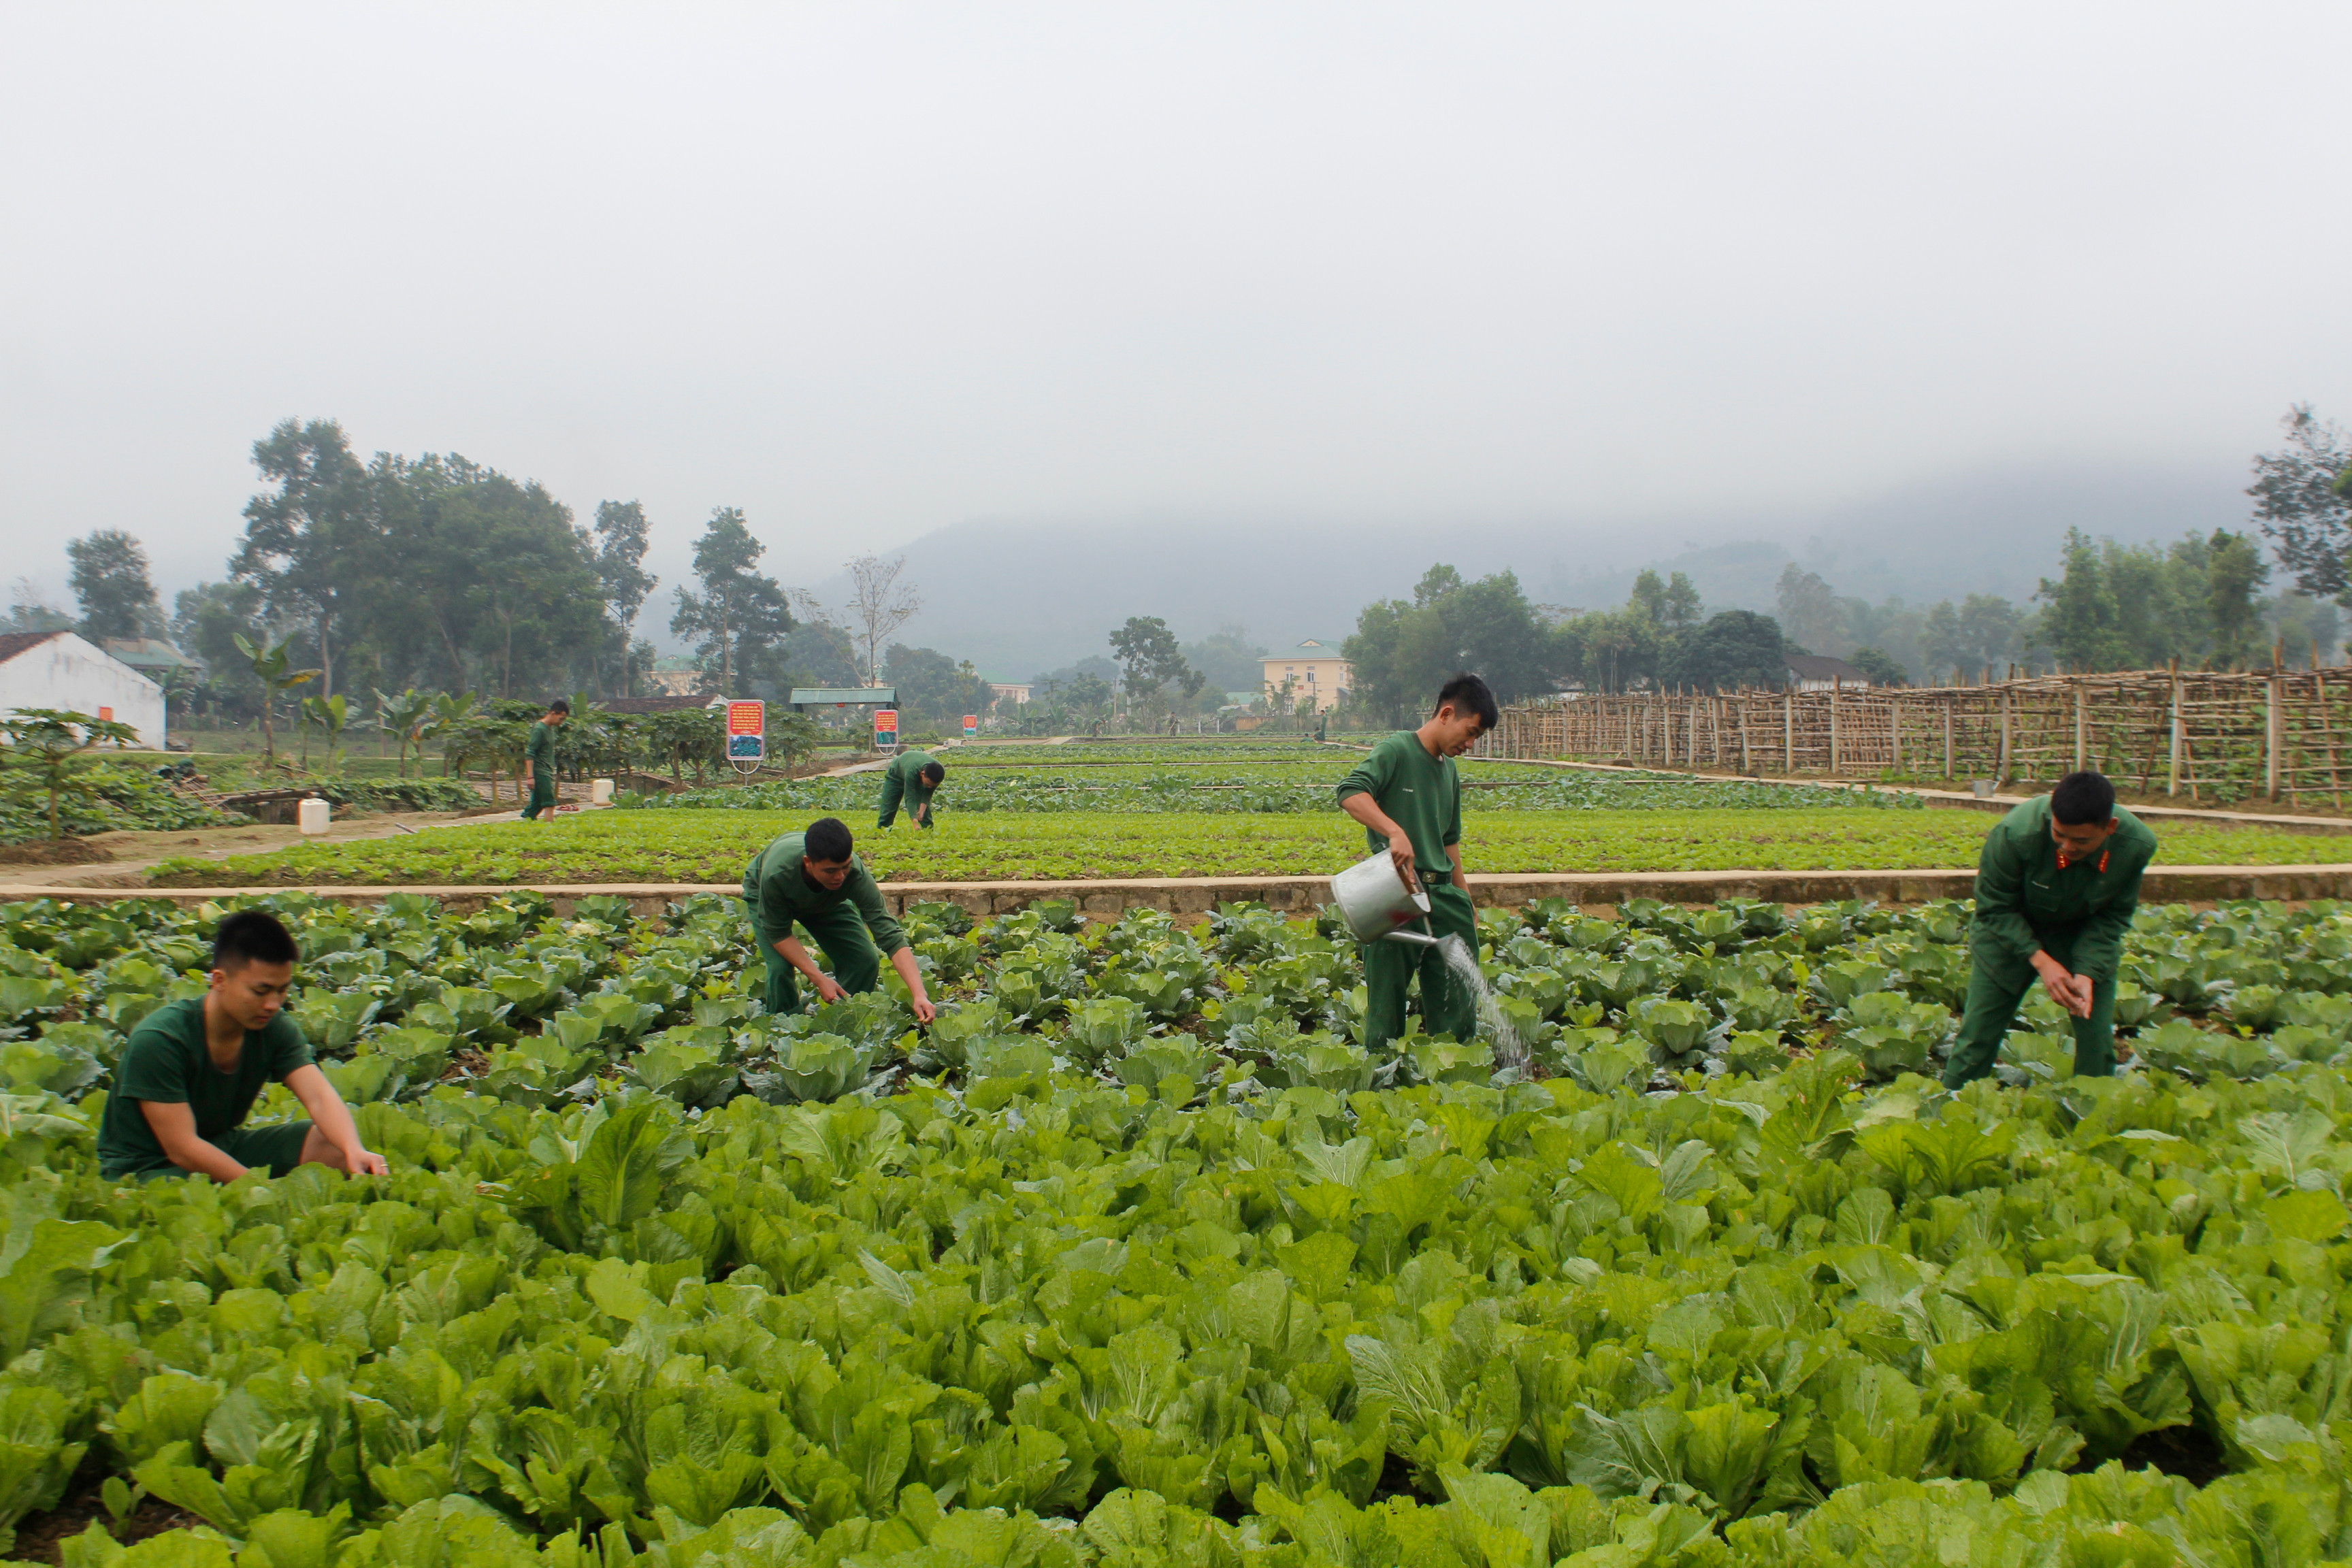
column 879, row 605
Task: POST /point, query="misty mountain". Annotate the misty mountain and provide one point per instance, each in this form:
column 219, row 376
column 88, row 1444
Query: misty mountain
column 1017, row 596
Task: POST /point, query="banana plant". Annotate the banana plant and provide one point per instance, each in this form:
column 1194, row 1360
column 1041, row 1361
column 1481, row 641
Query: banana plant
column 328, row 714
column 404, row 718
column 272, row 667
column 450, row 709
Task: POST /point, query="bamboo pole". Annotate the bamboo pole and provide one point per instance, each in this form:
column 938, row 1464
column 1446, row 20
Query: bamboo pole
column 1837, row 762
column 2274, row 736
column 2172, row 778
column 1948, row 740
column 1788, row 733
column 2081, row 720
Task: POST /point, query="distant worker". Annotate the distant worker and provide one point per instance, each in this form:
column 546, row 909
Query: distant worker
column 2056, row 888
column 911, row 779
column 813, row 878
column 1407, row 796
column 539, row 761
column 192, row 1069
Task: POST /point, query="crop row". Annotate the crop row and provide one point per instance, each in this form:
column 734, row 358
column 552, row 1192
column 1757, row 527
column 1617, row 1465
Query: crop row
column 1280, row 787
column 715, row 846
column 1140, row 1265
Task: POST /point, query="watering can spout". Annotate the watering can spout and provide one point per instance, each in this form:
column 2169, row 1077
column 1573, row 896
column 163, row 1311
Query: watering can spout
column 1416, row 938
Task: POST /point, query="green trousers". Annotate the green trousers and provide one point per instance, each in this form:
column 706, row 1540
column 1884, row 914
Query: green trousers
column 893, row 793
column 1447, row 1007
column 1998, row 982
column 840, row 935
column 542, row 796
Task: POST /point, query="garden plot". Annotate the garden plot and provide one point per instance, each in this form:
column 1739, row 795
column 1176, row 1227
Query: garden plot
column 713, row 846
column 1139, row 1258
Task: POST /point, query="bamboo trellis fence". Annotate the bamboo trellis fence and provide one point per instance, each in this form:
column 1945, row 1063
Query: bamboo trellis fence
column 2210, row 737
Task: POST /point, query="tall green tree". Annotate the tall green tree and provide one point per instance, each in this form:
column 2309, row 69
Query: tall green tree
column 2079, row 618
column 1151, row 661
column 1811, row 615
column 621, row 534
column 1734, row 649
column 739, row 618
column 110, row 582
column 2234, row 574
column 1402, row 653
column 2303, row 499
column 492, row 583
column 312, row 542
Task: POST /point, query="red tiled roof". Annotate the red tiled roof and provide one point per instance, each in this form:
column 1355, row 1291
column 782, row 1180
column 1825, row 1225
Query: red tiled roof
column 14, row 643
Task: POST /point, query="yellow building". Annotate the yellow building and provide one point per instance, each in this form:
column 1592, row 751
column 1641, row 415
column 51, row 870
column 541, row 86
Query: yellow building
column 1311, row 670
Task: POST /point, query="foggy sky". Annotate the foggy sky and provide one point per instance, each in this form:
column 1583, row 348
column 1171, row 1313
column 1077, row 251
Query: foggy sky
column 868, row 271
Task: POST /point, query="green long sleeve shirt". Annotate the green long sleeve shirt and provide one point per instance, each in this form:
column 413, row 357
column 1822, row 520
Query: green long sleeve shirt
column 1422, row 794
column 2021, row 891
column 776, row 886
column 539, row 750
column 908, row 767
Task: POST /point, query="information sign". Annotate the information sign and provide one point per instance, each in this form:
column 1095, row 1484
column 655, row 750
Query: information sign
column 747, row 731
column 885, row 727
column 971, row 724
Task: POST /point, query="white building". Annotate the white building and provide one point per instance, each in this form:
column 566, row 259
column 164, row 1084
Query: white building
column 58, row 669
column 1813, row 672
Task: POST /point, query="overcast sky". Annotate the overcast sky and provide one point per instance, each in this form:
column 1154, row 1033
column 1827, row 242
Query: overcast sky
column 869, row 271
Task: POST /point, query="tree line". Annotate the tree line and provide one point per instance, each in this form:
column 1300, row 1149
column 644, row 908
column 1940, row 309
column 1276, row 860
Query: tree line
column 2200, row 599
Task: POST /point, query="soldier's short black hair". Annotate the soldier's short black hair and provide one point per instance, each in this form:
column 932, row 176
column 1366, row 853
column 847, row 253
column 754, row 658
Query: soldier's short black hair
column 561, row 705
column 2084, row 798
column 931, row 774
column 827, row 839
column 1469, row 694
column 252, row 936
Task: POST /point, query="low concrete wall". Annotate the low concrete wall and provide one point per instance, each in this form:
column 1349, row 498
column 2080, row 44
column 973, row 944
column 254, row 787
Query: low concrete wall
column 1199, row 894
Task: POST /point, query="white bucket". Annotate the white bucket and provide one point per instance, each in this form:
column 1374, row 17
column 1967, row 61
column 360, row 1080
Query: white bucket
column 599, row 792
column 310, row 816
column 1374, row 901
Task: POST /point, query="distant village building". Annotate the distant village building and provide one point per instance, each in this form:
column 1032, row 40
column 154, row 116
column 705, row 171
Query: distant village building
column 674, row 675
column 1812, row 673
column 1014, row 691
column 153, row 657
column 1314, row 669
column 58, row 669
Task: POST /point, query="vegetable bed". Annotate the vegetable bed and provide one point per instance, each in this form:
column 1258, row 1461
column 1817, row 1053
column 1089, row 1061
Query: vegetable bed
column 1287, row 785
column 715, row 846
column 1138, row 1257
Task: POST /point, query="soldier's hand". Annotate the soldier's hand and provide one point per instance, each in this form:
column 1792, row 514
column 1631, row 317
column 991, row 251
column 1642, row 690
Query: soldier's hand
column 1400, row 857
column 828, row 989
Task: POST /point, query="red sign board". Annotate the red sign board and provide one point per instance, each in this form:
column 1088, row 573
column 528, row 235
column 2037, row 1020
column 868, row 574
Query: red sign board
column 971, row 724
column 747, row 717
column 886, row 721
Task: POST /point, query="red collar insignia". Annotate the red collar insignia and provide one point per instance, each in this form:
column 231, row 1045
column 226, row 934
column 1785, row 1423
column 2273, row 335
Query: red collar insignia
column 2103, row 860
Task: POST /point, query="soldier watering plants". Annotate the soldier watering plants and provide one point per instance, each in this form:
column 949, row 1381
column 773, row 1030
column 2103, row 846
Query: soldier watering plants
column 1408, row 795
column 912, row 778
column 813, row 880
column 2056, row 888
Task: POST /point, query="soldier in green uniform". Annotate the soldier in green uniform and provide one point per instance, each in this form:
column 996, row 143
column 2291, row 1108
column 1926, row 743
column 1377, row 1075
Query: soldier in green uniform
column 1407, row 796
column 815, row 878
column 538, row 762
column 2056, row 888
column 911, row 779
column 192, row 1069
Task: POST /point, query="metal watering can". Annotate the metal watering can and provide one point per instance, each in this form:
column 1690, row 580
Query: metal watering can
column 1377, row 905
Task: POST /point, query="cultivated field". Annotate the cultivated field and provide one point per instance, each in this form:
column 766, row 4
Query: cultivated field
column 1139, row 1258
